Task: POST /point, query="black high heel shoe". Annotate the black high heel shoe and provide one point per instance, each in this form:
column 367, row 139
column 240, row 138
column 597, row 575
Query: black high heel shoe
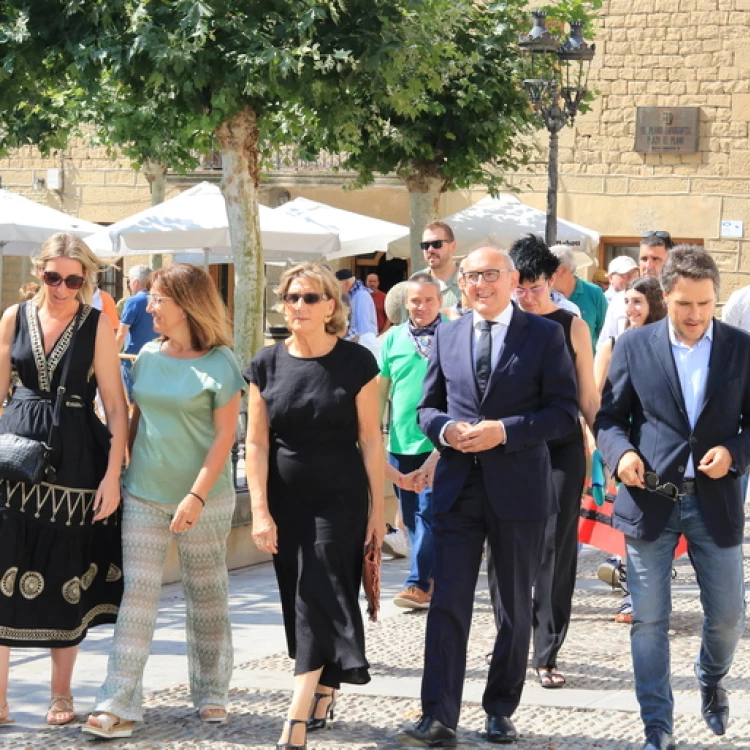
column 288, row 745
column 314, row 724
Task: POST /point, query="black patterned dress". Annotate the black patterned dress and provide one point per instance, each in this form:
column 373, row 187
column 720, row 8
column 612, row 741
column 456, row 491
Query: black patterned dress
column 60, row 574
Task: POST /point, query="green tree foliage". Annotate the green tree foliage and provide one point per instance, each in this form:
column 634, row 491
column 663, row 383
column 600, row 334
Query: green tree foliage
column 161, row 80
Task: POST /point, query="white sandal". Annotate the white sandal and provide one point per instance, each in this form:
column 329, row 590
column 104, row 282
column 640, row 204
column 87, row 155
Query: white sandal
column 110, row 727
column 66, row 701
column 217, row 718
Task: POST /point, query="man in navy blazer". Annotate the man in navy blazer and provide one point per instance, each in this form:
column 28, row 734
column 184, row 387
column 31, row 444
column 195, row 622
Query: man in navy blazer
column 675, row 426
column 499, row 384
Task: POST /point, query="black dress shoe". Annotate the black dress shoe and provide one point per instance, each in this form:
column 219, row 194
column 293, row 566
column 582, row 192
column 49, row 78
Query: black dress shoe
column 500, row 730
column 658, row 739
column 428, row 732
column 715, row 708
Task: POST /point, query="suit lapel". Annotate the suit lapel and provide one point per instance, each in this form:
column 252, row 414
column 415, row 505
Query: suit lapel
column 513, row 340
column 721, row 350
column 662, row 348
column 464, row 347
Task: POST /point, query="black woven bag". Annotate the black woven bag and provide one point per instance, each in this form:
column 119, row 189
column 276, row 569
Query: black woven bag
column 25, row 460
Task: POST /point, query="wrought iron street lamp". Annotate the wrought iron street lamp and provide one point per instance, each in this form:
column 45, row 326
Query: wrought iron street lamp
column 556, row 87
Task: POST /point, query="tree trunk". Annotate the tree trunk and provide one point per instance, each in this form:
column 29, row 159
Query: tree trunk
column 156, row 174
column 425, row 190
column 238, row 139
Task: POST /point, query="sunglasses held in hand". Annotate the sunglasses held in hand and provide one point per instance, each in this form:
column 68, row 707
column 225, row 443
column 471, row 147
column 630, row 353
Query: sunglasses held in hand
column 52, row 278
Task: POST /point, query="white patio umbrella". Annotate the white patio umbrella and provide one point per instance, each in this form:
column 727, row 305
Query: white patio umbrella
column 195, row 222
column 26, row 225
column 500, row 222
column 358, row 234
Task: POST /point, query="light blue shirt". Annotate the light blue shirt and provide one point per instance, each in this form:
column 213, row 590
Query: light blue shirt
column 364, row 318
column 692, row 369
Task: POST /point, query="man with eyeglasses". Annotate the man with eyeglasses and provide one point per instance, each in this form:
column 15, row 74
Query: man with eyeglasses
column 499, row 384
column 674, row 425
column 652, row 254
column 438, row 246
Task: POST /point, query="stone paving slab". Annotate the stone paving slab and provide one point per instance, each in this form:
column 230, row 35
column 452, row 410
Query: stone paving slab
column 597, row 709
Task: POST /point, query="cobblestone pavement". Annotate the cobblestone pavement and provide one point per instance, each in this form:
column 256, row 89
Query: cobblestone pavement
column 595, row 710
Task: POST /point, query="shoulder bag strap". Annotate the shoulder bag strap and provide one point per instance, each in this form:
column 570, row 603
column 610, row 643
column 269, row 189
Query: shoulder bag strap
column 60, row 398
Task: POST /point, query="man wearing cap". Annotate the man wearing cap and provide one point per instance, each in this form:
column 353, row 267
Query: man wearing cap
column 653, row 252
column 622, row 270
column 363, row 320
column 589, row 297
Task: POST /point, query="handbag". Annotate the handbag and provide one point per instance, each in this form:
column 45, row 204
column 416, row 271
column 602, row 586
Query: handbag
column 25, row 460
column 371, row 579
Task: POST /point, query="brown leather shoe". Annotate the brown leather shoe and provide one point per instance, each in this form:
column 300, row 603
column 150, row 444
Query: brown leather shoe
column 412, row 597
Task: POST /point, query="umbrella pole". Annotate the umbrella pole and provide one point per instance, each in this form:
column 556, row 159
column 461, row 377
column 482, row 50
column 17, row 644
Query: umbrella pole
column 206, row 252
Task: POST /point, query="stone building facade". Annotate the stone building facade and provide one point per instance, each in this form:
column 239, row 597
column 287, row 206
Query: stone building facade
column 650, row 53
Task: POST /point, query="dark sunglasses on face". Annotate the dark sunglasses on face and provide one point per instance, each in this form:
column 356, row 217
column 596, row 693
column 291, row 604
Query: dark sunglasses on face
column 654, row 484
column 437, row 244
column 52, row 278
column 309, row 298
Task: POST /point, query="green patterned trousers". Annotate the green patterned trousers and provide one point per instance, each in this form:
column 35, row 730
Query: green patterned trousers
column 145, row 541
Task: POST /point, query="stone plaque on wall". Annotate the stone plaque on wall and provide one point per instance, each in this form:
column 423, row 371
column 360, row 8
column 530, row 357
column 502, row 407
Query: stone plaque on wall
column 667, row 130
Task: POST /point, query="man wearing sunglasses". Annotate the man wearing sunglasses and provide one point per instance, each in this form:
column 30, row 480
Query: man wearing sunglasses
column 675, row 426
column 438, row 246
column 652, row 254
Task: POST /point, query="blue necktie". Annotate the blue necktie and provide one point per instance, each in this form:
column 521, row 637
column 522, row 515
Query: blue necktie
column 484, row 354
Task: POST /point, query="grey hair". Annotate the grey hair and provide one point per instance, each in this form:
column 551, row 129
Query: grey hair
column 566, row 257
column 139, row 274
column 689, row 262
column 421, row 277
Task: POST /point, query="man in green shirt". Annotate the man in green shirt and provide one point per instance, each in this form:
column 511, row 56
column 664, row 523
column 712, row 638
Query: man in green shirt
column 403, row 366
column 589, row 297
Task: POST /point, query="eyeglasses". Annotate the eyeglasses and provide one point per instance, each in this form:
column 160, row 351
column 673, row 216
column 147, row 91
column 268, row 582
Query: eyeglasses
column 490, row 275
column 437, row 244
column 657, row 233
column 309, row 298
column 536, row 291
column 156, row 299
column 52, row 278
column 654, row 484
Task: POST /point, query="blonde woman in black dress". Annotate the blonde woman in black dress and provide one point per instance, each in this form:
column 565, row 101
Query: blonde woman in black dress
column 315, row 466
column 60, row 552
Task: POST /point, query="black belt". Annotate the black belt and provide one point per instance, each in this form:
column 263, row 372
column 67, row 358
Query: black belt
column 688, row 487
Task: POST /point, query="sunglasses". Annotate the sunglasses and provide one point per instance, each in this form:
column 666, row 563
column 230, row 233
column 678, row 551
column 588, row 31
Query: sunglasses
column 657, row 233
column 309, row 298
column 437, row 244
column 654, row 484
column 490, row 275
column 52, row 278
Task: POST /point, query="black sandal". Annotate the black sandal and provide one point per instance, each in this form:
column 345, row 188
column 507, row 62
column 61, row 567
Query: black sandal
column 288, row 745
column 314, row 724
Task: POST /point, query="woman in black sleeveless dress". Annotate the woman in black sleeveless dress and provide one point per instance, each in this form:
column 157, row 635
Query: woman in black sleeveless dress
column 555, row 581
column 60, row 573
column 315, row 467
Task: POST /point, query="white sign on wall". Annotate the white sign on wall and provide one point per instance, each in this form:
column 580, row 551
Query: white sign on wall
column 732, row 229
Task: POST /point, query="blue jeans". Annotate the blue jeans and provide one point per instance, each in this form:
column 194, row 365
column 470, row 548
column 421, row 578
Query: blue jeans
column 721, row 582
column 416, row 509
column 126, row 368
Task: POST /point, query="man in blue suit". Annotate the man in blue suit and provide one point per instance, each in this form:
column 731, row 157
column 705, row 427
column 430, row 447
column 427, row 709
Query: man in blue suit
column 499, row 384
column 675, row 425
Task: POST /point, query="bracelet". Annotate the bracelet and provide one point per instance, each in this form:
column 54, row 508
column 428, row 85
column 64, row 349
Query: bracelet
column 195, row 494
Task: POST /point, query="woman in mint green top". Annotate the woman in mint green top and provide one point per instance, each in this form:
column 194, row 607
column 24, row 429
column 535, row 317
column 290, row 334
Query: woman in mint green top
column 186, row 395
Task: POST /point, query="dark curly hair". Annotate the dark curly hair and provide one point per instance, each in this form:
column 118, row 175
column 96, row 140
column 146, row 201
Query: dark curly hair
column 651, row 289
column 533, row 258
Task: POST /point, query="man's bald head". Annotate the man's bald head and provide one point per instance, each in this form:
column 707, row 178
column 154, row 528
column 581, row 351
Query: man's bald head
column 490, row 278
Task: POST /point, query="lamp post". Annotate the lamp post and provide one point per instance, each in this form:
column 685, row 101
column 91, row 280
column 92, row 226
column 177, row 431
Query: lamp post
column 556, row 86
